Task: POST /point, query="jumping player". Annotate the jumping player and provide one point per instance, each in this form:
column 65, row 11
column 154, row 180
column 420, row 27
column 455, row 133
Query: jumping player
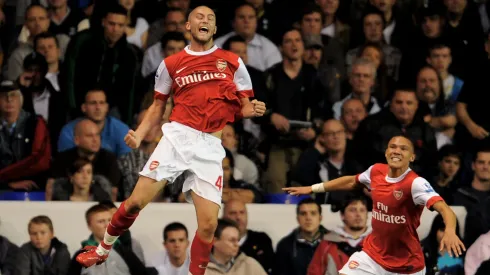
column 399, row 196
column 211, row 87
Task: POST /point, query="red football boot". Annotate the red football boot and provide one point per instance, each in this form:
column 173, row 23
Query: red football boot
column 90, row 257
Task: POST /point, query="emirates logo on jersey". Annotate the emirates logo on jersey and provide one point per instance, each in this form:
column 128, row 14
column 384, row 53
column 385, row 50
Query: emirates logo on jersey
column 198, row 77
column 221, row 65
column 398, row 194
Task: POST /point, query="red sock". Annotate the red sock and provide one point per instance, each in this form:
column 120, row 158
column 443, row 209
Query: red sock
column 200, row 251
column 121, row 221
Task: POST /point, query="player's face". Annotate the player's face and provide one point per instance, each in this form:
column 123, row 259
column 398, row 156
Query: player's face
column 95, row 106
column 428, row 89
column 202, row 25
column 227, row 243
column 309, row 218
column 399, row 153
column 227, row 172
column 40, row 235
column 237, row 212
column 292, row 45
column 173, row 47
column 228, row 138
column 98, row 222
column 82, row 179
column 404, row 106
column 245, row 22
column 176, row 244
column 114, row 27
column 481, row 166
column 353, row 113
column 240, row 49
column 355, row 216
column 449, row 166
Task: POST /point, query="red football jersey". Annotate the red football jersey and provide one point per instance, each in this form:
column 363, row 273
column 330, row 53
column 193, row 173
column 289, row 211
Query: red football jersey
column 397, row 206
column 207, row 87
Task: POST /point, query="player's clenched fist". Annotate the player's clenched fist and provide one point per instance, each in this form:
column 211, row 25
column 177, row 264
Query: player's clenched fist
column 259, row 107
column 132, row 139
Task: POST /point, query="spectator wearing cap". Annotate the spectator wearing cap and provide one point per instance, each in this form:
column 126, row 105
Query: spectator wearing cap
column 262, row 53
column 328, row 76
column 102, row 57
column 24, row 142
column 37, row 21
column 311, row 23
column 373, row 23
column 40, row 97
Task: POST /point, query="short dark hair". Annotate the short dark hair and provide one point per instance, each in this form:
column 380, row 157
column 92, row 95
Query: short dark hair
column 77, row 165
column 291, row 29
column 169, row 10
column 234, row 38
column 230, row 157
column 31, row 6
column 311, row 8
column 222, row 225
column 483, row 149
column 116, row 8
column 98, row 208
column 308, row 201
column 351, row 198
column 450, row 150
column 436, row 46
column 175, row 36
column 243, row 5
column 42, row 219
column 405, row 136
column 369, row 44
column 369, row 10
column 45, row 35
column 108, row 203
column 175, row 226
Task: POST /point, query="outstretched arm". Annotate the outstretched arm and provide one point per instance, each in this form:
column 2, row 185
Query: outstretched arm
column 338, row 184
column 450, row 240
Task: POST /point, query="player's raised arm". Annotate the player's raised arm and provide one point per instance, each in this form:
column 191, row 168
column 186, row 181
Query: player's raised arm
column 338, row 184
column 450, row 241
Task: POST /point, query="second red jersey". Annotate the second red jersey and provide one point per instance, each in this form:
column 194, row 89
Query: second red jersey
column 397, row 206
column 207, row 87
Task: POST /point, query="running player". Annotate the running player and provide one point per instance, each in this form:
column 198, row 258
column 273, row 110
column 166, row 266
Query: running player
column 211, row 86
column 399, row 196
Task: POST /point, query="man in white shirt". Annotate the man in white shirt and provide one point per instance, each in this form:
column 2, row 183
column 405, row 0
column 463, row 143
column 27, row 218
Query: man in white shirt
column 262, row 53
column 174, row 260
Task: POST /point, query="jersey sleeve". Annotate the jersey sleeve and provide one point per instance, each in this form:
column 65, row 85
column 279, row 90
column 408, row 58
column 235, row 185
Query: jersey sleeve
column 423, row 193
column 243, row 81
column 163, row 82
column 365, row 177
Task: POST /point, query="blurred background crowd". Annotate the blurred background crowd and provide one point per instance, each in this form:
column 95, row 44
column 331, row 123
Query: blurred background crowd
column 339, row 78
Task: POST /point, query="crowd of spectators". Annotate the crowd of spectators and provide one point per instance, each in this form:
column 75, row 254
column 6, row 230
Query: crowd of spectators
column 339, row 78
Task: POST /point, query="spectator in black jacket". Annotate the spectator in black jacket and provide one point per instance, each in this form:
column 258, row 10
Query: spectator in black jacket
column 295, row 251
column 44, row 254
column 257, row 245
column 399, row 118
column 8, row 254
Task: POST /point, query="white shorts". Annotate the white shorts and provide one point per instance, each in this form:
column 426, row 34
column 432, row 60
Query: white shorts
column 198, row 154
column 361, row 264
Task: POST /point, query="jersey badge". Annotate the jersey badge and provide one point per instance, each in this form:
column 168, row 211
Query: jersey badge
column 221, row 65
column 153, row 165
column 398, row 194
column 353, row 264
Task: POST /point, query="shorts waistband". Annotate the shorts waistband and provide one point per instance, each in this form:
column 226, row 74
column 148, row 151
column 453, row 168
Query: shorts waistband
column 200, row 133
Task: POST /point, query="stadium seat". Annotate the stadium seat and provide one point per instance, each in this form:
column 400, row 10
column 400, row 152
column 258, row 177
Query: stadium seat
column 22, row 196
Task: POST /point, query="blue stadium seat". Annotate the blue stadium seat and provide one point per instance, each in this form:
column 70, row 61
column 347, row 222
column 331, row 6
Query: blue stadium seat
column 22, row 196
column 284, row 198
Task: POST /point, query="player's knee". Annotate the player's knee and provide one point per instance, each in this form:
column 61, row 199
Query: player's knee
column 207, row 226
column 135, row 204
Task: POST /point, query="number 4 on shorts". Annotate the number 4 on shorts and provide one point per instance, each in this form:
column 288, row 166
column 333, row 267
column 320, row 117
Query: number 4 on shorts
column 219, row 183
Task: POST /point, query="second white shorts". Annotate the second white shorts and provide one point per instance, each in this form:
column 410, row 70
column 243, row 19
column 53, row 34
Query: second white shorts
column 198, row 154
column 360, row 263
